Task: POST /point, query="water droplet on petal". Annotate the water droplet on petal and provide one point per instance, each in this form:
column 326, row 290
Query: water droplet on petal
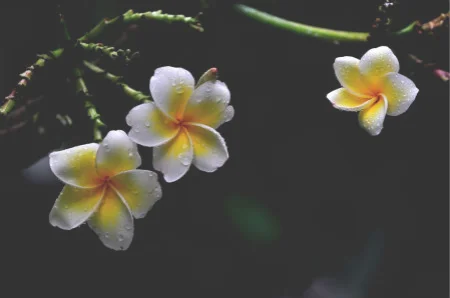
column 184, row 159
column 147, row 124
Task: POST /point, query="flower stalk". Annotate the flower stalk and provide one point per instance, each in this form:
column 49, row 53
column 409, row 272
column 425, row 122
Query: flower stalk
column 82, row 91
column 330, row 34
column 112, row 53
column 102, row 28
column 118, row 81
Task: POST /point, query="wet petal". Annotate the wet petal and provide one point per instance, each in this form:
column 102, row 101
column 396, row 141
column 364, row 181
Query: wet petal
column 174, row 158
column 208, row 103
column 348, row 74
column 171, row 88
column 378, row 62
column 139, row 188
column 117, row 153
column 76, row 166
column 372, row 118
column 226, row 116
column 149, row 126
column 399, row 91
column 113, row 222
column 344, row 100
column 210, row 150
column 74, row 206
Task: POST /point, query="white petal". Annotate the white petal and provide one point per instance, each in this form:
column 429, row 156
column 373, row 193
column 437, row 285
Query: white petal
column 399, row 91
column 174, row 158
column 149, row 126
column 210, row 150
column 76, row 166
column 117, row 153
column 226, row 116
column 140, row 189
column 74, row 206
column 113, row 222
column 171, row 88
column 378, row 62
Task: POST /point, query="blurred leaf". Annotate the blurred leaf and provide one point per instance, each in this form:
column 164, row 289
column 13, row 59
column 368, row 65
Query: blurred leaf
column 253, row 220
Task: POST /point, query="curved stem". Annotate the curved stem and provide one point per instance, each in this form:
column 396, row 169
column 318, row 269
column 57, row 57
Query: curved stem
column 116, row 80
column 313, row 31
column 302, row 29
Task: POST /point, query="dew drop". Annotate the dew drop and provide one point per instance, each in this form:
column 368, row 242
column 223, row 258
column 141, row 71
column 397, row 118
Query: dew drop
column 179, row 89
column 147, row 124
column 184, row 159
column 120, row 237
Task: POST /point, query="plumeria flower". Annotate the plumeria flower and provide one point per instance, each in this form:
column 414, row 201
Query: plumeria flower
column 372, row 86
column 181, row 122
column 103, row 188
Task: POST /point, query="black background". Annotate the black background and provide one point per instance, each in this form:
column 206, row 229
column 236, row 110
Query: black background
column 320, row 185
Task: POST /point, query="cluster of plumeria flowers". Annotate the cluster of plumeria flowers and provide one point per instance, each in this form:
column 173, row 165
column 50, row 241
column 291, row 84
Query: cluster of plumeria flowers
column 105, row 188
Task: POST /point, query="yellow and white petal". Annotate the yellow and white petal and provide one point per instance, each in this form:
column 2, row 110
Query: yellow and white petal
column 76, row 166
column 171, row 88
column 372, row 118
column 207, row 103
column 348, row 74
column 346, row 101
column 117, row 153
column 378, row 62
column 399, row 91
column 74, row 206
column 139, row 188
column 210, row 150
column 113, row 222
column 174, row 158
column 149, row 126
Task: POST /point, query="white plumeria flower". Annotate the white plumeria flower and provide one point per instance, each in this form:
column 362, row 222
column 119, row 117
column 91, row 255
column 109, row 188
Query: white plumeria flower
column 103, row 188
column 181, row 121
column 372, row 86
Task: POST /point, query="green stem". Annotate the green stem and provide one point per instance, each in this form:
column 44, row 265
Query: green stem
column 130, row 17
column 408, row 29
column 313, row 31
column 302, row 29
column 116, row 80
column 111, row 52
column 27, row 76
column 82, row 90
column 102, row 27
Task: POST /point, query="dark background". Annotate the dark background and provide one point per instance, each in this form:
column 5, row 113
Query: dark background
column 308, row 201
